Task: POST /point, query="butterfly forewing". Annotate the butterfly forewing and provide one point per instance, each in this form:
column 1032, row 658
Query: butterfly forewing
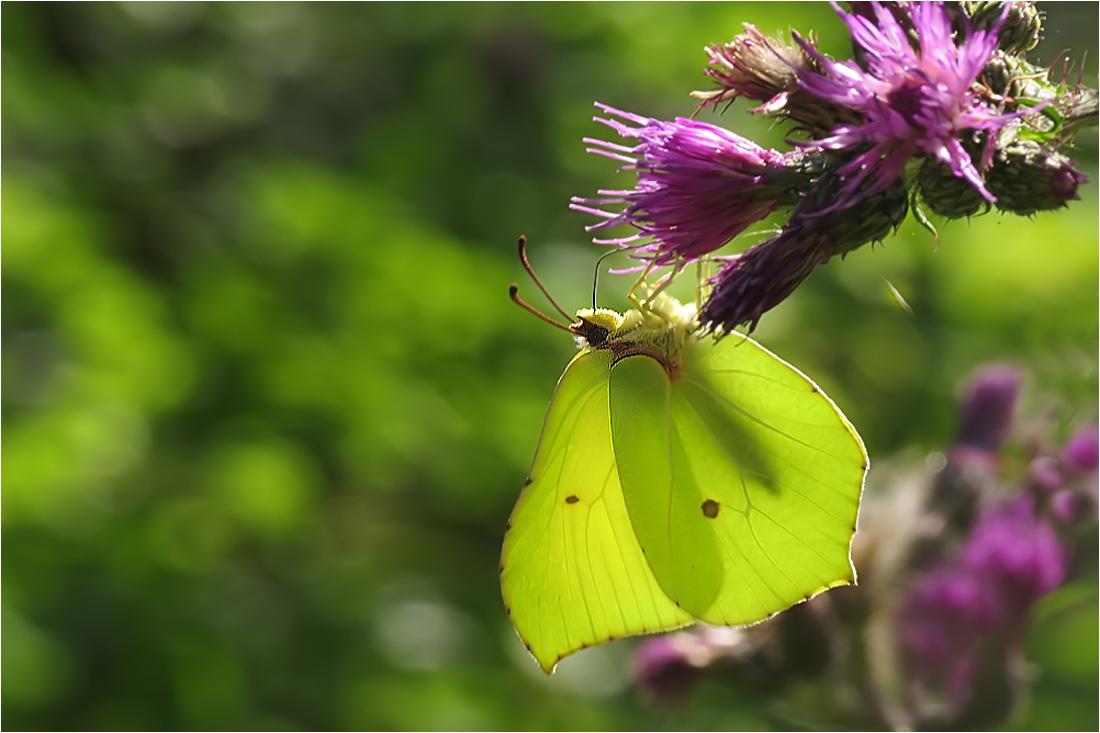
column 572, row 572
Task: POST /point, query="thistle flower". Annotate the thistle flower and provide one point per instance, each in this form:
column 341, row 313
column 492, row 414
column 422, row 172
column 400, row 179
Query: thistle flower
column 986, row 411
column 1080, row 454
column 947, row 609
column 698, row 186
column 762, row 277
column 1011, row 559
column 1017, row 552
column 914, row 101
column 669, row 665
column 768, row 70
column 755, row 67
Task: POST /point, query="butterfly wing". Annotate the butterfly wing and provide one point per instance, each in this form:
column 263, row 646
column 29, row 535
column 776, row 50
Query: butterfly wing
column 572, row 572
column 742, row 479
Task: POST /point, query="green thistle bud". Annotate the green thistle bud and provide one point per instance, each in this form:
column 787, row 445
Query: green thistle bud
column 1027, row 177
column 946, row 194
column 1014, row 78
column 1021, row 28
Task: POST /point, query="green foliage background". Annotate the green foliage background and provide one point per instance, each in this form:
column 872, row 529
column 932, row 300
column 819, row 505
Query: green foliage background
column 267, row 405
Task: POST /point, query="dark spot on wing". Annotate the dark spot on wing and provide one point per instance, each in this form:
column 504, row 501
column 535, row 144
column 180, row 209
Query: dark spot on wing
column 710, row 508
column 571, row 499
column 527, row 482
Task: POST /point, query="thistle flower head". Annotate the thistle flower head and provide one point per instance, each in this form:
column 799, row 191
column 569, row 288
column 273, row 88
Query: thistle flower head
column 915, row 97
column 698, row 186
column 762, row 277
column 1081, row 452
column 987, row 408
column 756, row 67
column 1018, row 552
column 948, row 605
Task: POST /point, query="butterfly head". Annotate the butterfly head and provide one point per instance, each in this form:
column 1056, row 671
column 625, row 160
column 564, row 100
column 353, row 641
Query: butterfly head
column 595, row 327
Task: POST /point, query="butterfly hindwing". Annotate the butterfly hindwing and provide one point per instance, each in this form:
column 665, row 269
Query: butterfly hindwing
column 741, row 478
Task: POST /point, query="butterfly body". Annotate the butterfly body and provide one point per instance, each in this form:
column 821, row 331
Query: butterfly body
column 676, row 479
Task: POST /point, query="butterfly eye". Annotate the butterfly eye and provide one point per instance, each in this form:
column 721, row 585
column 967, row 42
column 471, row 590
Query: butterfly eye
column 596, row 335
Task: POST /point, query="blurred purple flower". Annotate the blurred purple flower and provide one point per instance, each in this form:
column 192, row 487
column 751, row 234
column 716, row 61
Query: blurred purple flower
column 1070, row 506
column 987, row 408
column 1018, row 552
column 1082, row 452
column 698, row 186
column 946, row 611
column 1044, row 474
column 663, row 666
column 943, row 620
column 1011, row 559
column 914, row 101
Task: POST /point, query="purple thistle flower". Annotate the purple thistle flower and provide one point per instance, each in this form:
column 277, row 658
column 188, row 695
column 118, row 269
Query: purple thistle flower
column 768, row 70
column 1082, row 452
column 763, row 276
column 914, row 101
column 1070, row 507
column 1011, row 559
column 666, row 666
column 1044, row 474
column 987, row 408
column 756, row 67
column 948, row 608
column 943, row 620
column 1018, row 552
column 698, row 186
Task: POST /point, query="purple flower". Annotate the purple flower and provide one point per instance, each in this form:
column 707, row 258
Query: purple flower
column 987, row 408
column 668, row 666
column 1018, row 552
column 947, row 609
column 763, row 276
column 943, row 620
column 698, row 186
column 1070, row 506
column 913, row 101
column 1082, row 452
column 1044, row 474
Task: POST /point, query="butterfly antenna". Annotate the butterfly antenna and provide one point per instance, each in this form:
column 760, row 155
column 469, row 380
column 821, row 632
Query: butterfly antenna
column 596, row 276
column 531, row 272
column 513, row 293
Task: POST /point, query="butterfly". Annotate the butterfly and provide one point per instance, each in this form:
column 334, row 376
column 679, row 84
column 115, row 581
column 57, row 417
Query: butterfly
column 677, row 478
